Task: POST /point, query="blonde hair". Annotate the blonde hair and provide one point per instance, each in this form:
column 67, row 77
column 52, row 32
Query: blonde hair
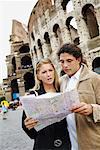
column 38, row 83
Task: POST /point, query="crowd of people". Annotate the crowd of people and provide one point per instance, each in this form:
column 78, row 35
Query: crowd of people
column 79, row 130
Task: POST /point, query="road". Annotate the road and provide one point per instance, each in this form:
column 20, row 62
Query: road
column 12, row 137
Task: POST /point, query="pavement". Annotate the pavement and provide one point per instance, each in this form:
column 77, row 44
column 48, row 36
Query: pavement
column 12, row 137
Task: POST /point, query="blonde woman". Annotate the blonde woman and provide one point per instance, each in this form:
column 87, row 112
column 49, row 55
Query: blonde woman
column 55, row 136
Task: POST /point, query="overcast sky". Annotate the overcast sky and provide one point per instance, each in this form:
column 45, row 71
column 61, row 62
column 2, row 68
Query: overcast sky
column 19, row 10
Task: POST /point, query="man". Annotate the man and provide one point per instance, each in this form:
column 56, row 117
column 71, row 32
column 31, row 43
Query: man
column 84, row 122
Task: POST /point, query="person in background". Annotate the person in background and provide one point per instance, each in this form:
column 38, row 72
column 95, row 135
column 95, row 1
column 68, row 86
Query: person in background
column 4, row 111
column 84, row 122
column 54, row 136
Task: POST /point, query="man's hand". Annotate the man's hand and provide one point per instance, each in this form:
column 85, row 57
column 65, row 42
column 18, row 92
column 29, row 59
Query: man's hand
column 83, row 108
column 30, row 123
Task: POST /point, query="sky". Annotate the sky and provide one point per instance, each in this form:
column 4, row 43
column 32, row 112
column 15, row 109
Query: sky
column 19, row 10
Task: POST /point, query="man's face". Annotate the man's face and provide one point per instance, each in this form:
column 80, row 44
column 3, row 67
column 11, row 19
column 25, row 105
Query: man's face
column 69, row 63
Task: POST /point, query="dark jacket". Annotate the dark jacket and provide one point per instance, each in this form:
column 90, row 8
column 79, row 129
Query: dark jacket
column 52, row 137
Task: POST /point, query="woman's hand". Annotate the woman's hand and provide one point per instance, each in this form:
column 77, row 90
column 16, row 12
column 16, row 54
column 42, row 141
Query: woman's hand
column 30, row 123
column 83, row 108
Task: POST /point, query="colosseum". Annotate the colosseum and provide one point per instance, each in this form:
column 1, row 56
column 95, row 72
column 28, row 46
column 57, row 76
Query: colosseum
column 51, row 24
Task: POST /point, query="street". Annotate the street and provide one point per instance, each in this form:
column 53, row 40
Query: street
column 12, row 137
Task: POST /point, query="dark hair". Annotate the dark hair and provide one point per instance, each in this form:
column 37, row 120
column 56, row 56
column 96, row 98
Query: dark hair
column 71, row 49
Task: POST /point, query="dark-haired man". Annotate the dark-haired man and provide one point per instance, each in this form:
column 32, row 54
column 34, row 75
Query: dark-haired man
column 84, row 122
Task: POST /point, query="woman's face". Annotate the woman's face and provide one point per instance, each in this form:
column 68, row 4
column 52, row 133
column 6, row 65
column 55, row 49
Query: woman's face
column 46, row 74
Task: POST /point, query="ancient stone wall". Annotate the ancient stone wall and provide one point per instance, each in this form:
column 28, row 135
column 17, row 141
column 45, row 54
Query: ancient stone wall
column 52, row 26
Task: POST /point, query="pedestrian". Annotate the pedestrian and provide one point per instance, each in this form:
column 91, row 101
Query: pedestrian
column 4, row 111
column 84, row 122
column 54, row 136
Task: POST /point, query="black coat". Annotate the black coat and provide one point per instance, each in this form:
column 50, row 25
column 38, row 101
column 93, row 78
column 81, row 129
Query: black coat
column 52, row 137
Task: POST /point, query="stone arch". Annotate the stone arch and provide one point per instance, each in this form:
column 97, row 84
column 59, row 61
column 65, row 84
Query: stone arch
column 57, row 31
column 29, row 81
column 32, row 36
column 64, row 4
column 40, row 46
column 26, row 62
column 69, row 6
column 24, row 49
column 46, row 37
column 96, row 65
column 14, row 89
column 47, row 41
column 35, row 50
column 72, row 27
column 14, row 64
column 89, row 15
column 68, row 22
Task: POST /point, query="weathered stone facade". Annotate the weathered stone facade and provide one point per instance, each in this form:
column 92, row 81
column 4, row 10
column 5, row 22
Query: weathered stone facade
column 19, row 63
column 51, row 24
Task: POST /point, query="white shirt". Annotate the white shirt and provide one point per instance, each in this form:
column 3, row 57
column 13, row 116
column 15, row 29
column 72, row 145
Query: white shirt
column 72, row 83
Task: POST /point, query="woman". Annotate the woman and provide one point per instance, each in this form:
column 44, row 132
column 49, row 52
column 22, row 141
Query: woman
column 54, row 136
